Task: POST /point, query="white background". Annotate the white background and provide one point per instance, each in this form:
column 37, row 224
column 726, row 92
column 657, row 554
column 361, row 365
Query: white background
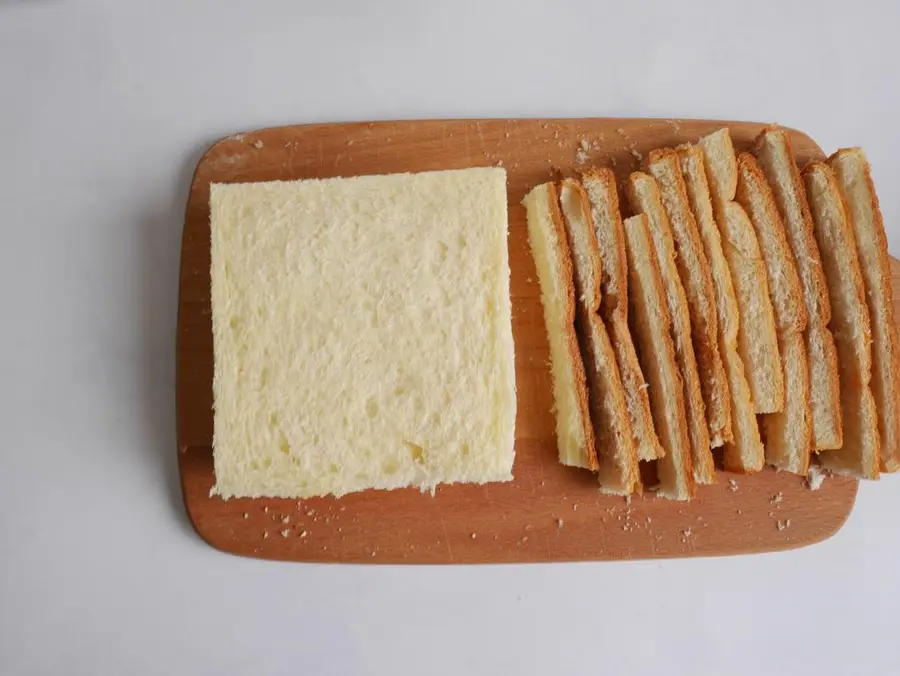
column 105, row 108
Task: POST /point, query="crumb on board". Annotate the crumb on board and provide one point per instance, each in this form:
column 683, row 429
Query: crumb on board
column 575, row 507
column 265, row 534
column 559, row 524
column 304, row 533
column 258, row 144
column 778, row 497
column 815, row 478
column 246, row 515
column 266, row 510
column 732, row 485
column 686, row 533
column 286, row 520
column 783, row 525
column 628, row 499
column 285, row 532
column 474, row 535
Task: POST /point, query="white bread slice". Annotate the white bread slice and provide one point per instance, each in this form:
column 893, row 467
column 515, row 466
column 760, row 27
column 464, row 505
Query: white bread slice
column 776, row 158
column 860, row 455
column 600, row 186
column 694, row 271
column 643, row 193
column 745, row 454
column 615, row 448
column 651, row 327
column 855, row 182
column 329, row 291
column 788, row 433
column 547, row 236
column 757, row 338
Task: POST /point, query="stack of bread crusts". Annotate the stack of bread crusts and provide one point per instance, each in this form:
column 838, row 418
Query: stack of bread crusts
column 746, row 305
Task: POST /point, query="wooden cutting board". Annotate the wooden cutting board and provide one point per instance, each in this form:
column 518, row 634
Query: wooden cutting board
column 549, row 512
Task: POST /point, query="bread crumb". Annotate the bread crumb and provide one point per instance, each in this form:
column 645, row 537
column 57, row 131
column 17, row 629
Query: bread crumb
column 621, row 132
column 265, row 534
column 559, row 524
column 258, row 145
column 575, row 507
column 782, row 525
column 581, row 156
column 815, row 478
column 286, row 520
column 778, row 497
column 628, row 499
column 304, row 533
column 373, row 554
column 285, row 533
column 474, row 535
column 732, row 485
column 246, row 516
column 635, row 153
column 309, row 512
column 528, row 527
column 350, row 142
column 506, row 135
column 266, row 510
column 686, row 533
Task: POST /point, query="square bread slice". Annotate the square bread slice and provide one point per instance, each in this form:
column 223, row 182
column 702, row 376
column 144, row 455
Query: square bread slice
column 788, row 433
column 600, row 186
column 746, row 453
column 860, row 455
column 615, row 447
column 643, row 193
column 651, row 327
column 553, row 260
column 694, row 271
column 855, row 182
column 362, row 334
column 775, row 156
column 757, row 338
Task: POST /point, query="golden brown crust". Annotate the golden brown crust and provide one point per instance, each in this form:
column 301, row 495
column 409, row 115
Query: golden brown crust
column 745, row 454
column 646, row 439
column 591, row 297
column 886, row 344
column 673, row 430
column 618, row 471
column 860, row 453
column 800, row 235
column 696, row 276
column 615, row 449
column 603, row 197
column 643, row 194
column 755, row 196
column 568, row 282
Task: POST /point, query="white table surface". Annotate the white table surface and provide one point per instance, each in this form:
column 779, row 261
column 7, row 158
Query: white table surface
column 105, row 108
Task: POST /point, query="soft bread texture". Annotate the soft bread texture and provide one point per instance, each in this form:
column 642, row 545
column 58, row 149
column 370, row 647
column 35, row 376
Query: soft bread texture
column 547, row 236
column 643, row 194
column 757, row 338
column 775, row 156
column 694, row 271
column 651, row 328
column 860, row 455
column 387, row 294
column 600, row 186
column 855, row 183
column 788, row 433
column 615, row 448
column 745, row 454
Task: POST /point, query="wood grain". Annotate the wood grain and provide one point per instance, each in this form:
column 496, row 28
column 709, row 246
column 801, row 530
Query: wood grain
column 549, row 512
